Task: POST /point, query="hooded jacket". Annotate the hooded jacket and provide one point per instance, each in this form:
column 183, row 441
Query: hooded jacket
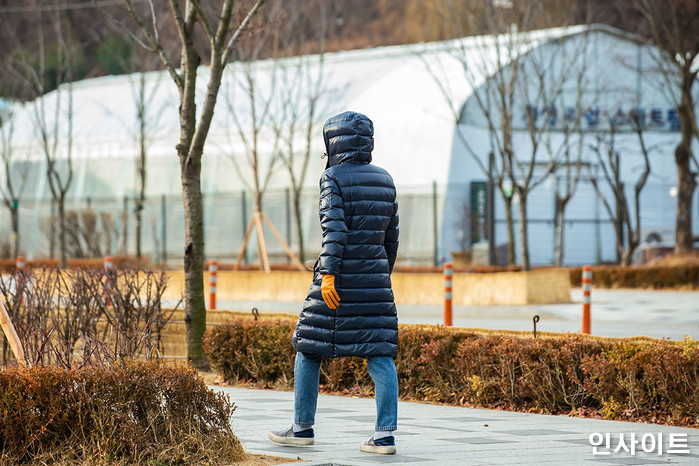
column 359, row 218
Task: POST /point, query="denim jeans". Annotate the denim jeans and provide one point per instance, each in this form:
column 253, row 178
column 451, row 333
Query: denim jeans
column 382, row 370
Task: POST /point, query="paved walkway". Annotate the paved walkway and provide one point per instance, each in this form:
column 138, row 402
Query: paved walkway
column 445, row 435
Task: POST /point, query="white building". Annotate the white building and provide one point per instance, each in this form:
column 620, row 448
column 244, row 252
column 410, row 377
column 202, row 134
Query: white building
column 415, row 95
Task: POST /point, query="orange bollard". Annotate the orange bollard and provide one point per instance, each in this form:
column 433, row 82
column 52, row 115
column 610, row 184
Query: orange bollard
column 587, row 288
column 213, row 269
column 448, row 272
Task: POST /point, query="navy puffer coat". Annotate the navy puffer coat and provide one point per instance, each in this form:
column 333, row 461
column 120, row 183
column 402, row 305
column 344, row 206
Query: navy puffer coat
column 359, row 219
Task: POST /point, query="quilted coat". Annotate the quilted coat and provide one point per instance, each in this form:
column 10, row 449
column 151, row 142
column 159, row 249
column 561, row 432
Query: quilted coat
column 359, row 219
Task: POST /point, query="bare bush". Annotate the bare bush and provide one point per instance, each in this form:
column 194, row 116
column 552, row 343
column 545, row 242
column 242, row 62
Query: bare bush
column 89, row 233
column 78, row 317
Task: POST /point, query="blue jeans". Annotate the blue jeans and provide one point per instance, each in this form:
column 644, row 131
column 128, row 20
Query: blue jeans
column 382, row 370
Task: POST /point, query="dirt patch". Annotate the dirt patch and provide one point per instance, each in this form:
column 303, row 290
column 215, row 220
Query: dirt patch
column 212, row 378
column 259, row 460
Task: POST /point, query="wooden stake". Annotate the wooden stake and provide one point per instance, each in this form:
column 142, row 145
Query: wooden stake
column 256, row 223
column 261, row 242
column 245, row 244
column 12, row 337
column 286, row 247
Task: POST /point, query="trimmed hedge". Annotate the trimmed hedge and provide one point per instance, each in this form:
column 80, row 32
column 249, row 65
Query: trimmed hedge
column 681, row 276
column 130, row 413
column 616, row 379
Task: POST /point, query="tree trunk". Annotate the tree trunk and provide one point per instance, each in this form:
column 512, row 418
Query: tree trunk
column 626, row 257
column 621, row 217
column 685, row 189
column 139, row 209
column 632, row 244
column 299, row 224
column 52, row 230
column 685, row 178
column 559, row 230
column 523, row 233
column 124, row 228
column 62, row 231
column 15, row 230
column 195, row 309
column 510, row 231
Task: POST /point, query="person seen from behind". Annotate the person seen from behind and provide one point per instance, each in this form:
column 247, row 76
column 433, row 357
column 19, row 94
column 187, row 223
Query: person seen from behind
column 350, row 310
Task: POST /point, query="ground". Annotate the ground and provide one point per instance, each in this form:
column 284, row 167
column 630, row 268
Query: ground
column 259, row 460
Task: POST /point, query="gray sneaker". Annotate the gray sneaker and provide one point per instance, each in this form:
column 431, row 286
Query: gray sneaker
column 287, row 436
column 382, row 446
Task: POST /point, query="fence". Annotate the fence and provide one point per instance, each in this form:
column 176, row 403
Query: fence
column 226, row 216
column 589, row 234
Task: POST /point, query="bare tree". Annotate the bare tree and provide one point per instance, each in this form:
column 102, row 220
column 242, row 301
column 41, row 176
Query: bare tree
column 544, row 74
column 571, row 165
column 301, row 89
column 258, row 143
column 568, row 156
column 218, row 27
column 672, row 25
column 608, row 156
column 36, row 71
column 259, row 148
column 492, row 98
column 12, row 187
column 495, row 66
column 55, row 128
column 146, row 121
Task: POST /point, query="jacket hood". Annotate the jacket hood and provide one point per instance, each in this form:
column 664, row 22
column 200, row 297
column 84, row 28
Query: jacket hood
column 349, row 137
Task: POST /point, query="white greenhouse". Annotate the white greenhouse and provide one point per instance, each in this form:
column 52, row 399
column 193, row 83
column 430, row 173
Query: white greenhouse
column 433, row 123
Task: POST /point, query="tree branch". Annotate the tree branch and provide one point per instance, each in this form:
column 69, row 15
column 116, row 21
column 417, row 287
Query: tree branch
column 239, row 31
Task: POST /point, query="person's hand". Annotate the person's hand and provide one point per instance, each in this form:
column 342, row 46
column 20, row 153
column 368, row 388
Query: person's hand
column 327, row 288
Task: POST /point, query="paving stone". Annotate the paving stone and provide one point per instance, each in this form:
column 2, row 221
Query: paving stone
column 533, row 432
column 392, row 459
column 631, row 460
column 475, row 440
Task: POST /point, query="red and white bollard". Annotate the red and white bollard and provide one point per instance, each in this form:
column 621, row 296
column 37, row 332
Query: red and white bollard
column 108, row 262
column 587, row 288
column 20, row 263
column 448, row 272
column 213, row 270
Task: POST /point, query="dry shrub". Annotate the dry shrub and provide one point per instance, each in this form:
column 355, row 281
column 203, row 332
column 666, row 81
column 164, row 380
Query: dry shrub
column 85, row 400
column 650, row 277
column 244, row 349
column 129, row 413
column 655, row 382
column 345, row 374
column 635, row 381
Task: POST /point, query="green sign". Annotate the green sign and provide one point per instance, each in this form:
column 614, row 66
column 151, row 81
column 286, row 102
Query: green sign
column 479, row 212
